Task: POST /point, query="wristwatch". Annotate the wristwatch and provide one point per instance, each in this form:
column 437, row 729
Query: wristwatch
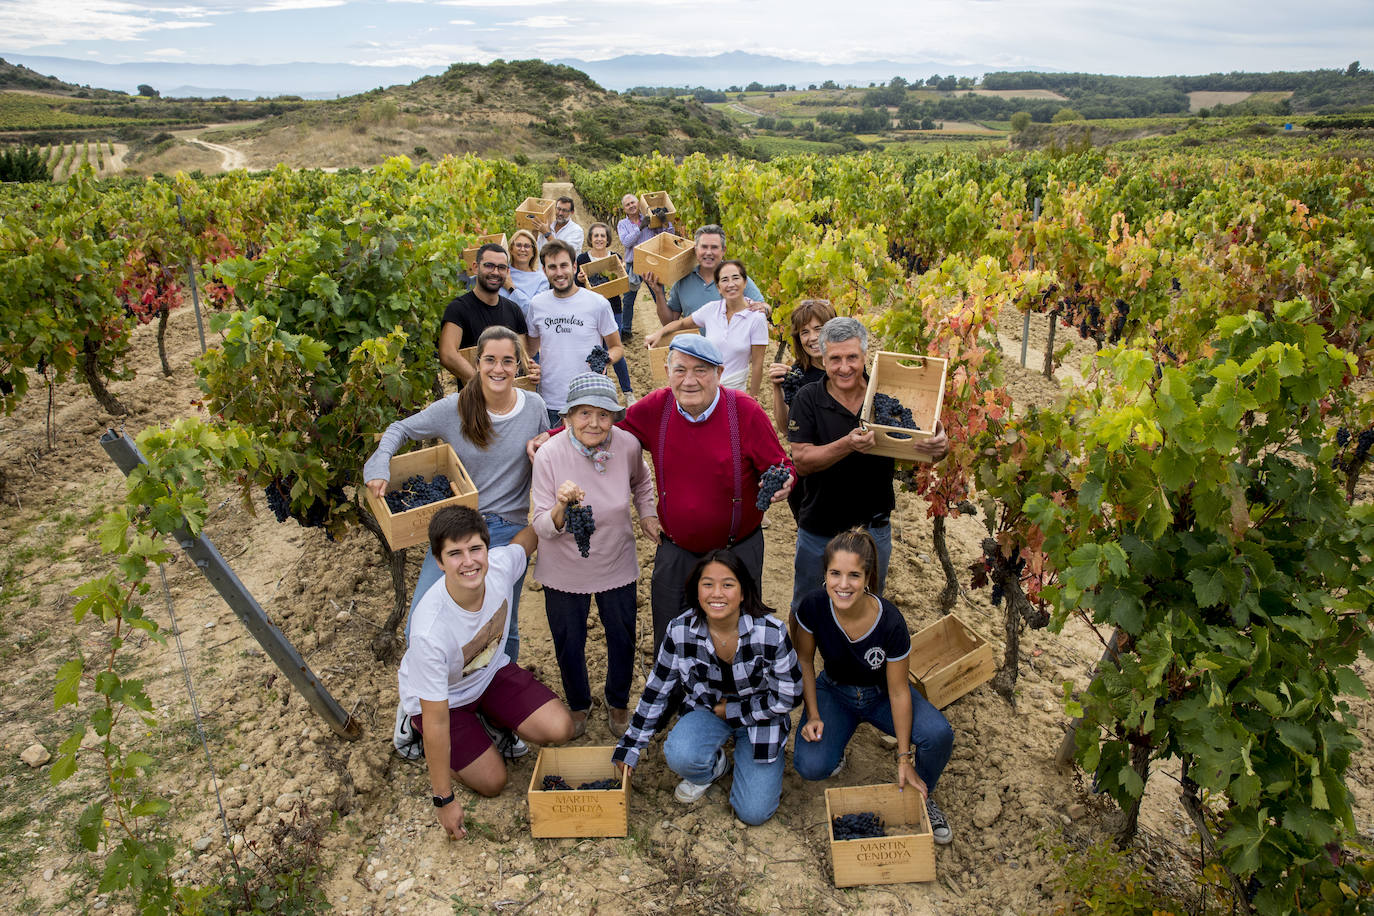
column 440, row 801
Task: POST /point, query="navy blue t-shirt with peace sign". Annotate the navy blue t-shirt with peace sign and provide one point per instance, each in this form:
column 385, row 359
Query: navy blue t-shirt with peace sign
column 860, row 662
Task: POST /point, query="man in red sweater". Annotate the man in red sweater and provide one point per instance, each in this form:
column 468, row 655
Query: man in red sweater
column 693, row 430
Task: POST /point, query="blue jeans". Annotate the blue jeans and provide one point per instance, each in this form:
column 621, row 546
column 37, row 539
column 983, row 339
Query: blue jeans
column 501, row 533
column 622, row 374
column 690, row 752
column 809, row 564
column 567, row 613
column 842, row 708
column 626, row 317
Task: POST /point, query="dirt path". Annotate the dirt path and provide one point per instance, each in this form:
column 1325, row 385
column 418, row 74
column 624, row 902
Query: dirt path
column 384, row 854
column 231, row 158
column 745, row 109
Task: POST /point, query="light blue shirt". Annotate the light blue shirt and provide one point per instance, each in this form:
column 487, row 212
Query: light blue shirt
column 691, row 293
column 705, row 414
column 528, row 284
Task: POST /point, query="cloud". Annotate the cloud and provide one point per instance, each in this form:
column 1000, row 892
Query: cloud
column 282, row 6
column 542, row 22
column 32, row 23
column 167, row 52
column 461, row 22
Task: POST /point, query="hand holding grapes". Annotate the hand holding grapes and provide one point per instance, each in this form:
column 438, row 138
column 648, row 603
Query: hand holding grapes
column 569, row 492
column 776, row 372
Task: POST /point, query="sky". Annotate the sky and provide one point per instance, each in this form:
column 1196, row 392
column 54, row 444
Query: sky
column 1099, row 36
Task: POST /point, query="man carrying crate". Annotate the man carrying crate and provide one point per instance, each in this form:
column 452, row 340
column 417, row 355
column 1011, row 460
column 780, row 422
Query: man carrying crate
column 844, row 486
column 699, row 287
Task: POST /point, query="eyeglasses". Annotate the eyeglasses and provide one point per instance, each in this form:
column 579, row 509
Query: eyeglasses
column 507, row 362
column 487, row 265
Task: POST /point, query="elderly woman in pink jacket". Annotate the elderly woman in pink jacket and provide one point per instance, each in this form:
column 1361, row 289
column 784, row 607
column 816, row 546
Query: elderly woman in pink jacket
column 593, row 465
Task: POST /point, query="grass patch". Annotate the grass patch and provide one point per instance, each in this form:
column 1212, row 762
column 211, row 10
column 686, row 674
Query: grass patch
column 770, row 147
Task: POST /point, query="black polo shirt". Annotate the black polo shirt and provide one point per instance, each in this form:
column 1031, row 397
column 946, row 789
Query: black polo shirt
column 857, row 489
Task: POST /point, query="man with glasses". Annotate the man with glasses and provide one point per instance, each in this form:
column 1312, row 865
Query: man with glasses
column 563, row 227
column 633, row 230
column 467, row 316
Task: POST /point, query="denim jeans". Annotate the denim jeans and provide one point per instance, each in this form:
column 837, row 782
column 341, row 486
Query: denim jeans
column 626, row 318
column 809, row 564
column 842, row 708
column 567, row 613
column 501, row 533
column 690, row 751
column 622, row 374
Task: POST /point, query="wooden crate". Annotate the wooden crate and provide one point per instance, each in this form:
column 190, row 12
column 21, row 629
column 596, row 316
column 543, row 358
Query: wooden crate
column 658, row 357
column 613, row 267
column 948, row 659
column 668, row 257
column 521, row 381
column 651, row 199
column 406, row 529
column 534, row 211
column 470, row 254
column 919, row 383
column 590, row 812
column 906, row 854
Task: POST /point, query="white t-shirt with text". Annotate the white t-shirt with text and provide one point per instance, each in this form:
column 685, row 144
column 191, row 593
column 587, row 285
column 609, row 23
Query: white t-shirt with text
column 567, row 330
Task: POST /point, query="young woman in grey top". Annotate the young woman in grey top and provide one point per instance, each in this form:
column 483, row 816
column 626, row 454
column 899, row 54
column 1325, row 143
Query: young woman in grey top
column 488, row 425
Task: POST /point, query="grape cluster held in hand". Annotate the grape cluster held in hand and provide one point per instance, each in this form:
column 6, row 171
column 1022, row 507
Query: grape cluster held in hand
column 770, row 483
column 598, row 358
column 416, row 492
column 860, row 826
column 791, row 384
column 580, row 524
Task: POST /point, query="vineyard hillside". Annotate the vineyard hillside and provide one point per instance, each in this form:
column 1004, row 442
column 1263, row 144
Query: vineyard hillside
column 514, row 109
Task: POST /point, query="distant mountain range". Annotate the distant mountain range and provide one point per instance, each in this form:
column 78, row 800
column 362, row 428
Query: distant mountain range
column 323, row 81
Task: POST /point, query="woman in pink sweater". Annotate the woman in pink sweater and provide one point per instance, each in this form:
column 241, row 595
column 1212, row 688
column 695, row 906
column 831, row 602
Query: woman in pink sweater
column 592, row 464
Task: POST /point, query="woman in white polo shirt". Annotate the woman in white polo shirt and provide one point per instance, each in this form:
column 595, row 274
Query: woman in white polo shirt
column 739, row 331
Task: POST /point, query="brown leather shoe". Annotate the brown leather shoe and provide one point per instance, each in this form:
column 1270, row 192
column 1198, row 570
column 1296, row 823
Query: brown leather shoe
column 579, row 718
column 618, row 719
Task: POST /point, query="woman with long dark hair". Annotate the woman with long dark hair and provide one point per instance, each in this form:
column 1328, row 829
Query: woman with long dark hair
column 733, row 663
column 866, row 647
column 488, row 425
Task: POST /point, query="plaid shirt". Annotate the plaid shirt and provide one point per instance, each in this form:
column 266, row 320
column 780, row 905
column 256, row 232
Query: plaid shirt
column 760, row 687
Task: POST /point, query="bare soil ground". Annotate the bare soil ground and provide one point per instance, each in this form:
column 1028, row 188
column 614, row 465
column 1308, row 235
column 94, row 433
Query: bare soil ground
column 277, row 761
column 1205, row 99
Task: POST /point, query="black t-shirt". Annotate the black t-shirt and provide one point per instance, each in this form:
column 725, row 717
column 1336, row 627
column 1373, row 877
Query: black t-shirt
column 473, row 316
column 794, row 499
column 857, row 489
column 586, row 258
column 861, row 662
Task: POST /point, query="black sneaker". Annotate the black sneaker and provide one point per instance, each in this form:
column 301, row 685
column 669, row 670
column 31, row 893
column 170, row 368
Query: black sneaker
column 939, row 824
column 507, row 742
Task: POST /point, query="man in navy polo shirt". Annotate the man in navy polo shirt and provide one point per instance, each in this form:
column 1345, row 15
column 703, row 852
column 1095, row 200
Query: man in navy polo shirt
column 845, row 486
column 698, row 287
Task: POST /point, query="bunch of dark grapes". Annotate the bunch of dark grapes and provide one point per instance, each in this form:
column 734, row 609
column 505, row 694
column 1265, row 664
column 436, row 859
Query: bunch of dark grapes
column 888, row 411
column 860, row 826
column 992, row 554
column 416, row 492
column 660, row 212
column 771, row 482
column 278, row 494
column 598, row 358
column 556, row 784
column 1355, row 458
column 601, row 784
column 791, row 384
column 578, row 520
column 597, row 279
column 1120, row 312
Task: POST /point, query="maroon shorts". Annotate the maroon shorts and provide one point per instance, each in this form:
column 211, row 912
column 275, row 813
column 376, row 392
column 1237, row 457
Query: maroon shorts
column 509, row 699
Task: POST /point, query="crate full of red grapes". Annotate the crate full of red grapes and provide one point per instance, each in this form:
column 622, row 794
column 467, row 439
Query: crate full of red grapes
column 417, row 478
column 903, row 402
column 879, row 835
column 576, row 792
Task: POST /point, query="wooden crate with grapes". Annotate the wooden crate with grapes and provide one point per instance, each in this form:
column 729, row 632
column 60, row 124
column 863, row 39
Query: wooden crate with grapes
column 903, row 402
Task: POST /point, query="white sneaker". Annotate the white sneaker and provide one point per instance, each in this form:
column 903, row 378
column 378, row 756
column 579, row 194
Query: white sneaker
column 688, row 792
column 844, row 758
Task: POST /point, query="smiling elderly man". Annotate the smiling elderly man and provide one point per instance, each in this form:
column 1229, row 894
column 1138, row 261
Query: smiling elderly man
column 845, row 486
column 710, row 445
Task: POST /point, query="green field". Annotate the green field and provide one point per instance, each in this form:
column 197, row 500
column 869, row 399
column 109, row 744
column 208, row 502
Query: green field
column 21, row 111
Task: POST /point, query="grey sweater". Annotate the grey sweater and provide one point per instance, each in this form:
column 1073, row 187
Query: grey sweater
column 501, row 471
